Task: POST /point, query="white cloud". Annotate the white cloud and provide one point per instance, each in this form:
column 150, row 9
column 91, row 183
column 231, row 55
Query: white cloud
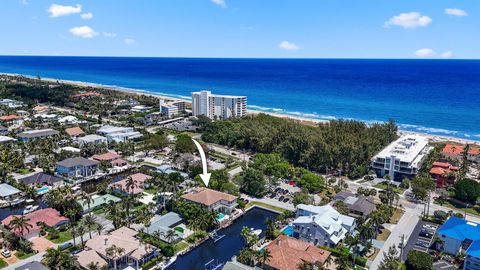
column 425, row 52
column 456, row 12
column 129, row 41
column 110, row 35
column 221, row 3
column 289, row 46
column 83, row 32
column 86, row 16
column 408, row 20
column 447, row 54
column 59, row 10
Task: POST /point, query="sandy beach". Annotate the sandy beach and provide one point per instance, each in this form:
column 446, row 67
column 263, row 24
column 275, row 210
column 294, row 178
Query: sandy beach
column 307, row 121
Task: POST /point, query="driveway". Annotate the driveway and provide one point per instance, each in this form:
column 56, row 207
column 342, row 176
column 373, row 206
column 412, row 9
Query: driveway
column 41, row 244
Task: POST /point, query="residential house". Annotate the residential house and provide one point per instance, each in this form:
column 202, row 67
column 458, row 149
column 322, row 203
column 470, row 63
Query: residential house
column 68, row 120
column 41, row 179
column 443, row 173
column 119, row 134
column 74, row 132
column 161, row 225
column 97, row 201
column 92, row 139
column 6, row 140
column 134, row 254
column 287, row 253
column 108, row 157
column 41, row 109
column 321, row 225
column 11, row 103
column 457, row 152
column 30, row 135
column 217, row 201
column 11, row 119
column 10, row 195
column 77, row 167
column 138, row 178
column 4, row 131
column 49, row 216
column 358, row 206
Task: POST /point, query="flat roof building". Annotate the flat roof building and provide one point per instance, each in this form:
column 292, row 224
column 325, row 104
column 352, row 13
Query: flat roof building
column 218, row 106
column 37, row 134
column 402, row 158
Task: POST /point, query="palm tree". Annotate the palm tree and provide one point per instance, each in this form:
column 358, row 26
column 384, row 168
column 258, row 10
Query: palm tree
column 170, row 236
column 114, row 252
column 245, row 233
column 59, row 259
column 131, row 184
column 353, row 242
column 390, row 259
column 99, row 227
column 86, row 200
column 20, row 224
column 90, row 222
column 263, row 257
column 81, row 231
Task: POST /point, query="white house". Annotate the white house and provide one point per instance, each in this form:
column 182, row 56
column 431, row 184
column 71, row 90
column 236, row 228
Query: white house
column 69, row 119
column 118, row 134
column 92, row 138
column 321, row 225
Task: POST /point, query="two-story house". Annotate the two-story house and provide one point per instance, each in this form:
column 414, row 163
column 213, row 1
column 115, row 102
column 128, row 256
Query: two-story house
column 77, row 167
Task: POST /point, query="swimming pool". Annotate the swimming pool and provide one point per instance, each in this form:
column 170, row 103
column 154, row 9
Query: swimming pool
column 43, row 190
column 220, row 216
column 288, row 230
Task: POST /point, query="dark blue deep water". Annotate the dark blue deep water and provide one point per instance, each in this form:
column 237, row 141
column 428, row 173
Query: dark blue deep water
column 227, row 247
column 433, row 96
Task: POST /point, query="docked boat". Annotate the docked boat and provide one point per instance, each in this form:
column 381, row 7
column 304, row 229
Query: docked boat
column 30, row 208
column 256, row 232
column 168, row 263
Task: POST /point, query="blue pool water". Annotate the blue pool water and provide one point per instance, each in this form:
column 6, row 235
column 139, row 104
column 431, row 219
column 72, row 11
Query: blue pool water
column 431, row 96
column 220, row 216
column 288, row 230
column 43, row 190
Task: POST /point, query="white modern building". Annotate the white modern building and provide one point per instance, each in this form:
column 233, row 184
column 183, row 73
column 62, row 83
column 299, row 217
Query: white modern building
column 11, row 103
column 92, row 139
column 118, row 134
column 321, row 225
column 218, row 106
column 402, row 158
column 173, row 108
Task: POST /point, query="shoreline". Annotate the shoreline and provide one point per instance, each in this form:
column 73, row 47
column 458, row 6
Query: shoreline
column 304, row 120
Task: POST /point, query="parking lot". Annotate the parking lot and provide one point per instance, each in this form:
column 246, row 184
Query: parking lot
column 422, row 239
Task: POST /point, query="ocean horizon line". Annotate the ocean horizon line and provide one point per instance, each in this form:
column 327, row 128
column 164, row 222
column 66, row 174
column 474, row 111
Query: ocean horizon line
column 278, row 112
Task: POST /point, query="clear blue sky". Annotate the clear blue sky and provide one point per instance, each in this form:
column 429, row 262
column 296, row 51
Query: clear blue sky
column 242, row 28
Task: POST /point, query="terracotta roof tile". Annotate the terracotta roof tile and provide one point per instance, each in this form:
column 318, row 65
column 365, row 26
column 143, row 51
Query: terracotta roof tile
column 208, row 196
column 74, row 131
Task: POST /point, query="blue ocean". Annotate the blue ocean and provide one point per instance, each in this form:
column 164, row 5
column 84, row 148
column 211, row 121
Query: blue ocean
column 431, row 96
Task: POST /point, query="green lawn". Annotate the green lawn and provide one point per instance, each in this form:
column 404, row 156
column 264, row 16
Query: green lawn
column 99, row 210
column 151, row 191
column 24, row 171
column 180, row 246
column 458, row 207
column 268, row 206
column 23, row 256
column 3, row 263
column 383, row 236
column 399, row 190
column 62, row 237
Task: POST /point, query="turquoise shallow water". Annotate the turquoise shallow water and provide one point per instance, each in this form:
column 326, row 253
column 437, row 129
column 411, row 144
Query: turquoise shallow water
column 432, row 96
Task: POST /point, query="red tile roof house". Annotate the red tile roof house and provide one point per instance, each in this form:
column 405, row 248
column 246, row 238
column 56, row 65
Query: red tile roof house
column 456, row 151
column 49, row 216
column 287, row 253
column 74, row 132
column 10, row 119
column 109, row 156
column 213, row 200
column 440, row 171
column 139, row 178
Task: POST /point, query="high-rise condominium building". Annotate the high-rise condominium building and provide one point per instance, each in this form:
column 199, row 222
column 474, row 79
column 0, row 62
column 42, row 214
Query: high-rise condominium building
column 218, row 106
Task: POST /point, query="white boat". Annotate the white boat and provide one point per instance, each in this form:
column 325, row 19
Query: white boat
column 256, row 232
column 168, row 263
column 30, row 208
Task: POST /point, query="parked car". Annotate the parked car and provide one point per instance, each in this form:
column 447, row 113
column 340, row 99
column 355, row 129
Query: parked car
column 422, row 244
column 65, row 245
column 286, row 200
column 426, row 234
column 6, row 253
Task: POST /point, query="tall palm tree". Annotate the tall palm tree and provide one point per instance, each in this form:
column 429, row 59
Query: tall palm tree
column 170, row 236
column 264, row 256
column 99, row 227
column 81, row 230
column 86, row 200
column 20, row 224
column 114, row 252
column 353, row 242
column 90, row 222
column 131, row 184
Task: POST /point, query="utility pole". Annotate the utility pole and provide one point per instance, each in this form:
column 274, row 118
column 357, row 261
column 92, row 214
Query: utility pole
column 402, row 237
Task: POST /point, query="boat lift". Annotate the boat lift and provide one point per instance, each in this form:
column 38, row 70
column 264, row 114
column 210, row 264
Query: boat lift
column 213, row 265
